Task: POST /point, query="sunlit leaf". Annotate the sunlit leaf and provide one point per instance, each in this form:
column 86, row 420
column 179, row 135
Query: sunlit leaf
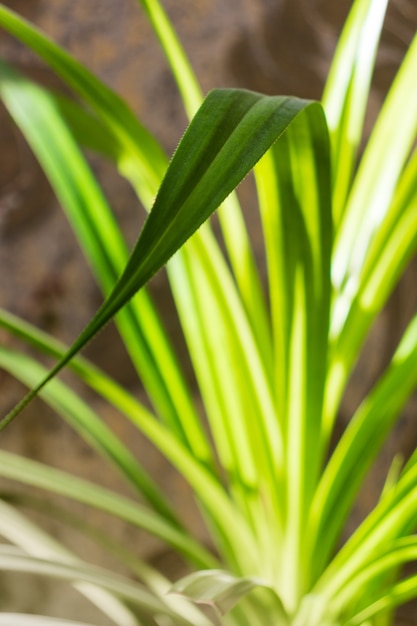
column 202, row 173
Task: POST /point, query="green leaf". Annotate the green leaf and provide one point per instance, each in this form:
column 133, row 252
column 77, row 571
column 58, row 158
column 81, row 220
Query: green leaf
column 403, row 550
column 180, row 66
column 204, row 170
column 206, row 167
column 20, row 531
column 360, row 444
column 378, row 190
column 382, row 163
column 229, row 134
column 396, row 595
column 393, row 517
column 294, row 189
column 37, row 474
column 346, row 93
column 88, row 129
column 138, row 144
column 217, row 588
column 33, row 541
column 98, row 233
column 211, row 493
column 222, row 590
column 230, row 216
column 89, row 425
column 234, row 382
column 12, row 559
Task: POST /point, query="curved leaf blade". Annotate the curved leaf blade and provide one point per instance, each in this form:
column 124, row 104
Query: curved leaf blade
column 207, row 488
column 294, row 188
column 46, row 477
column 33, row 541
column 346, row 92
column 12, row 559
column 360, row 444
column 138, row 144
column 229, row 134
column 376, row 189
column 88, row 424
column 87, row 210
column 223, row 590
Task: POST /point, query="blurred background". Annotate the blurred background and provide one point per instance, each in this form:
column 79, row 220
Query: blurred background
column 273, row 46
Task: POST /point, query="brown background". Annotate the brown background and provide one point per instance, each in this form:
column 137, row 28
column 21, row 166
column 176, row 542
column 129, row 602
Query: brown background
column 274, row 46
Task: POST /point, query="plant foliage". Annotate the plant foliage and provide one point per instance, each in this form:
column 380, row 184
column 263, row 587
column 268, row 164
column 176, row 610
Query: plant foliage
column 339, row 228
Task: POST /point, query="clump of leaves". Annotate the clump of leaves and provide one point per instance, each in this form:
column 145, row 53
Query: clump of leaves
column 339, row 228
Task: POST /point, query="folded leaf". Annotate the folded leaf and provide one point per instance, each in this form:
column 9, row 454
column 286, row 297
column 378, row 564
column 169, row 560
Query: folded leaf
column 221, row 590
column 231, row 131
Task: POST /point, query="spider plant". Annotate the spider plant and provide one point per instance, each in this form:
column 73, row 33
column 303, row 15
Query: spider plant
column 271, row 364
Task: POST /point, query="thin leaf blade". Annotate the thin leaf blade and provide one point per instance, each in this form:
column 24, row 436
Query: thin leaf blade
column 206, row 167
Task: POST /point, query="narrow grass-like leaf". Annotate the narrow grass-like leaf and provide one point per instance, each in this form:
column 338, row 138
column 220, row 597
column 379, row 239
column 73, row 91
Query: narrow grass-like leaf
column 295, row 197
column 372, row 194
column 57, row 481
column 393, row 517
column 393, row 244
column 96, row 228
column 230, row 216
column 23, row 533
column 141, row 160
column 18, row 530
column 231, row 527
column 378, row 173
column 89, row 425
column 389, row 252
column 88, row 129
column 396, row 595
column 12, row 559
column 404, row 550
column 231, row 131
column 346, row 93
column 202, row 173
column 208, row 491
column 138, row 144
column 360, row 444
column 232, row 380
column 180, row 66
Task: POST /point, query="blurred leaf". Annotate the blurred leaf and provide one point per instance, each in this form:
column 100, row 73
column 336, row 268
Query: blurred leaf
column 377, row 178
column 180, row 66
column 19, row 619
column 57, row 481
column 20, row 531
column 216, row 588
column 208, row 490
column 85, row 421
column 95, row 226
column 221, row 590
column 346, row 93
column 138, row 144
column 12, row 559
